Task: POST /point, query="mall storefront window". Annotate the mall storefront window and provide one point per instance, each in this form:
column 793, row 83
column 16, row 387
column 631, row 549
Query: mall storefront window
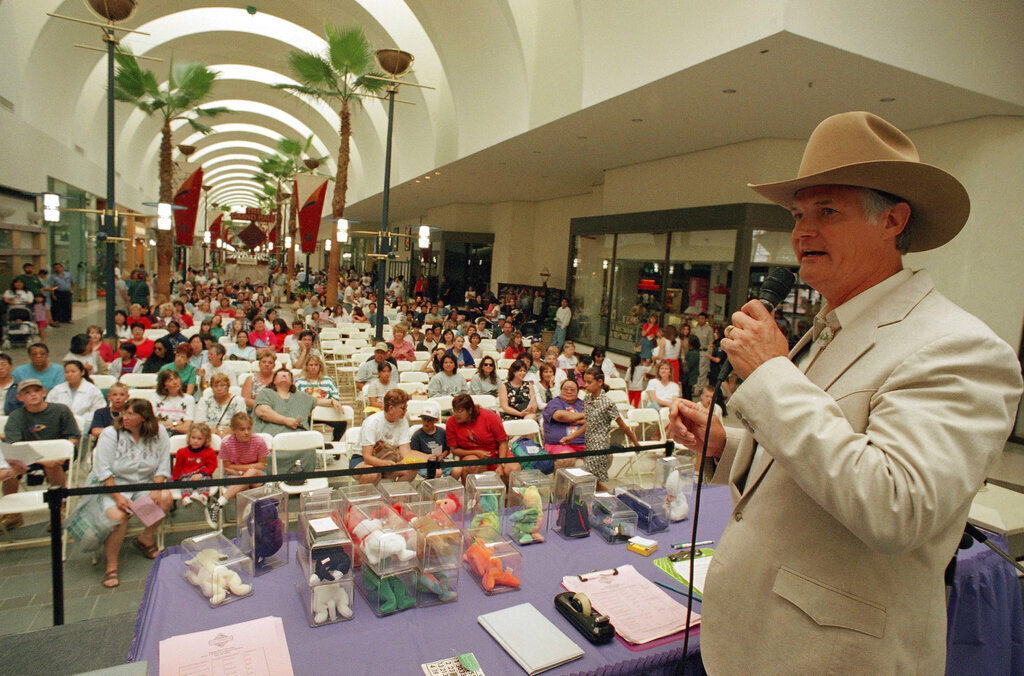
column 674, row 264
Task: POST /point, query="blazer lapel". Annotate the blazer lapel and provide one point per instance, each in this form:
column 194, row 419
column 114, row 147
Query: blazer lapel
column 844, row 350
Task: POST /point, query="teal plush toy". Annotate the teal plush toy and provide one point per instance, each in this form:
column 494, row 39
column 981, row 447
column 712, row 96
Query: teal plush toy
column 438, row 584
column 488, row 515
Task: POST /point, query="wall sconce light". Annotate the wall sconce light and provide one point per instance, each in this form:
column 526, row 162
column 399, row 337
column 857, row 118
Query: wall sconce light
column 206, row 237
column 545, row 274
column 327, row 245
column 270, row 246
column 163, row 216
column 152, row 242
column 51, row 207
column 287, row 242
column 604, row 264
column 341, row 234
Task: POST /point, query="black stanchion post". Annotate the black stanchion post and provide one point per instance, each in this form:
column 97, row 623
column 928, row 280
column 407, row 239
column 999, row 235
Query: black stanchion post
column 55, row 498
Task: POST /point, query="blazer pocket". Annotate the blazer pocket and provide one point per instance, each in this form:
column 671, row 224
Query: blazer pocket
column 829, row 606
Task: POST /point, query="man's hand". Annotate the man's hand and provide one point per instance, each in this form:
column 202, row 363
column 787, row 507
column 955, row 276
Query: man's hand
column 687, row 425
column 753, row 339
column 291, row 422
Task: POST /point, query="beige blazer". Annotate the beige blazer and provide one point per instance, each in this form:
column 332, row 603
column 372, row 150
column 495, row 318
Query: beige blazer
column 833, row 560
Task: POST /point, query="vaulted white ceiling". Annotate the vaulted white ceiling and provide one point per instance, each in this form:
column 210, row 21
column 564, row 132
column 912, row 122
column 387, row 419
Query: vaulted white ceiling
column 531, row 99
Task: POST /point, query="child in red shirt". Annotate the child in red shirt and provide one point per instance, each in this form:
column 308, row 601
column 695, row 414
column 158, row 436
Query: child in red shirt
column 195, row 461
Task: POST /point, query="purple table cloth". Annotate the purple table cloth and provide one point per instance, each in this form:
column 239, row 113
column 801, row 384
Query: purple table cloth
column 400, row 643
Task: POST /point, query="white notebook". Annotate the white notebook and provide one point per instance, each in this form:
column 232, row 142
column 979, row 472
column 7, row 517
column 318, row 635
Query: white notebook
column 530, row 638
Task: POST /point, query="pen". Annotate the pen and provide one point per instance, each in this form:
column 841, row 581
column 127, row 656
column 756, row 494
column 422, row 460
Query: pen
column 671, row 588
column 686, row 545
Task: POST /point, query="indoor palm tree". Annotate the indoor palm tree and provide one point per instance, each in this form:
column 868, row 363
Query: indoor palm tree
column 187, row 86
column 339, row 76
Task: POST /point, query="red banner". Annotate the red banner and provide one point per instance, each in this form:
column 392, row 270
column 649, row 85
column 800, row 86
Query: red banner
column 311, row 191
column 187, row 196
column 215, row 228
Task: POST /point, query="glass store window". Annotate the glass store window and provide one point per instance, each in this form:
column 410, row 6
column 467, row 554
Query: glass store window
column 699, row 275
column 592, row 259
column 637, row 287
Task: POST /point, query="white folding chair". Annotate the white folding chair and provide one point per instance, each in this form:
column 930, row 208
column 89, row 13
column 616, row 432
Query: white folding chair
column 298, row 441
column 139, row 380
column 404, row 366
column 154, row 334
column 190, row 331
column 138, row 393
column 444, row 401
column 620, row 399
column 415, row 408
column 328, row 414
column 422, row 355
column 330, row 333
column 225, row 341
column 24, row 502
column 104, row 382
column 488, row 401
column 412, row 389
column 467, row 372
column 523, row 428
column 413, row 376
column 240, row 366
column 489, row 345
column 505, row 363
column 615, row 383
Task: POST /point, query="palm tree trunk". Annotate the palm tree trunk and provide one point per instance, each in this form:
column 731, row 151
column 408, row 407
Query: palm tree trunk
column 338, row 200
column 165, row 238
column 293, row 228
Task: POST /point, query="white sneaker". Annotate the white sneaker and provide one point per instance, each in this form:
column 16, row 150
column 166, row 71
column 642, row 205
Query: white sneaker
column 203, row 498
column 186, row 501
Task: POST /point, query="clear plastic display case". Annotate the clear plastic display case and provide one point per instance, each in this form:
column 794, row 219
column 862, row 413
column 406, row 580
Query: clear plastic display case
column 217, row 569
column 529, row 495
column 649, row 505
column 398, row 492
column 325, row 598
column 485, row 504
column 437, row 586
column 263, row 527
column 385, row 541
column 611, row 518
column 676, row 474
column 571, row 496
column 390, row 593
column 496, row 566
column 449, row 492
column 438, row 539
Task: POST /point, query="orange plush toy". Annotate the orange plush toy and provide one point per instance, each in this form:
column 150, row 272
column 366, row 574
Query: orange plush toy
column 488, row 567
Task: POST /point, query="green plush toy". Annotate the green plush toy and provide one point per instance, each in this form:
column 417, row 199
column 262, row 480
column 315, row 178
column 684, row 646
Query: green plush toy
column 528, row 520
column 389, row 593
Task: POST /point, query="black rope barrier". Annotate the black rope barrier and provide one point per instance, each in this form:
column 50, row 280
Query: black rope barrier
column 55, row 496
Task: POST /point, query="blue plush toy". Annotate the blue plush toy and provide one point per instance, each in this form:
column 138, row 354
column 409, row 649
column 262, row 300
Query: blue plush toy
column 267, row 529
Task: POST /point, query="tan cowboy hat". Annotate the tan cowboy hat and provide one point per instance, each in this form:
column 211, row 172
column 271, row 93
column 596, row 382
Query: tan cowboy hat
column 862, row 149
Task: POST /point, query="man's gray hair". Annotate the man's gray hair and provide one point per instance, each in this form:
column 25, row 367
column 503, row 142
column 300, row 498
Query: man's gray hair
column 874, row 203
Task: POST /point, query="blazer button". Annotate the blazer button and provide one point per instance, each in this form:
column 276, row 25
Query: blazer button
column 738, row 516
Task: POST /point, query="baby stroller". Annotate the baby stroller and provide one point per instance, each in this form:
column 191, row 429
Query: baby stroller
column 19, row 328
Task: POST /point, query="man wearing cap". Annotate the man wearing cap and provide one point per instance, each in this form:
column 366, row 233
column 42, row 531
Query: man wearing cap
column 865, row 445
column 368, row 369
column 40, row 368
column 430, row 438
column 38, row 420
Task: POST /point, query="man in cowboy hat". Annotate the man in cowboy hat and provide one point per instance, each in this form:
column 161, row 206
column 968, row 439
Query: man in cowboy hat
column 865, row 445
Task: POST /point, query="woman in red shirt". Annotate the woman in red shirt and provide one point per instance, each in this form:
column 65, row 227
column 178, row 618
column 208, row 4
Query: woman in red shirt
column 475, row 432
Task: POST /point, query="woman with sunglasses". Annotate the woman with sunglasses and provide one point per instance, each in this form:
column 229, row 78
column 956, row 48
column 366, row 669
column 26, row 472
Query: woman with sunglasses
column 486, row 379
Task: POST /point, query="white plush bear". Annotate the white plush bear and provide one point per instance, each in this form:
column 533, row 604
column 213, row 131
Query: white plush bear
column 213, row 579
column 330, row 601
column 675, row 487
column 378, row 545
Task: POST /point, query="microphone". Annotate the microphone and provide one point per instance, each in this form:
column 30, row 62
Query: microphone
column 774, row 290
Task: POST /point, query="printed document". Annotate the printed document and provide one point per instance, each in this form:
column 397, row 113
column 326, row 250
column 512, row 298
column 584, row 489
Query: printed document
column 254, row 648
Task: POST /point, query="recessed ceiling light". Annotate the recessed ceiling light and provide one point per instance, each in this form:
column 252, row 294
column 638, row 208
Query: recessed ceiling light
column 638, row 119
column 887, row 99
column 437, row 173
column 417, row 180
column 427, row 177
column 729, row 91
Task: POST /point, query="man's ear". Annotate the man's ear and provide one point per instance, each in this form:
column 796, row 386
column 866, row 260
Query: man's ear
column 894, row 220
